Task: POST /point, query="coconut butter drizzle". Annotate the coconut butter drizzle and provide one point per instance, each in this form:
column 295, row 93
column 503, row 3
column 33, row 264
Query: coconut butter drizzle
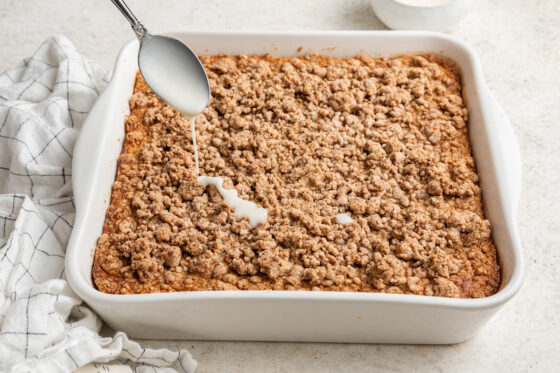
column 240, row 206
column 193, row 133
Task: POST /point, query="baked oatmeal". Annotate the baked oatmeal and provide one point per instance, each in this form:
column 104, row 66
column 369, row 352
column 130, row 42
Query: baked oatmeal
column 383, row 141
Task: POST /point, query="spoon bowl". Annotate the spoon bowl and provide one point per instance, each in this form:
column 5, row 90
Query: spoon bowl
column 174, row 72
column 170, row 68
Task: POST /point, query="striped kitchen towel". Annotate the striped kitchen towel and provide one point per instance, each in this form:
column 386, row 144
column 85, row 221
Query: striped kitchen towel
column 44, row 326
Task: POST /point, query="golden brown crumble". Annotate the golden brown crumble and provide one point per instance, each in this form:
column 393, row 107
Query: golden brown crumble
column 382, row 140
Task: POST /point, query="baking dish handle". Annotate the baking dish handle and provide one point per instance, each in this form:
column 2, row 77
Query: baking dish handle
column 509, row 156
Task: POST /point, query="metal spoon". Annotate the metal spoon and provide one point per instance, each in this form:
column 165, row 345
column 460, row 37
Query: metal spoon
column 170, row 68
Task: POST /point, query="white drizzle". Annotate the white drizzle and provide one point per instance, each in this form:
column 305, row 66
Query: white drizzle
column 241, row 207
column 193, row 133
column 344, row 219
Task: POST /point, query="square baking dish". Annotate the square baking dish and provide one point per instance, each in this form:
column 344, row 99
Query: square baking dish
column 299, row 315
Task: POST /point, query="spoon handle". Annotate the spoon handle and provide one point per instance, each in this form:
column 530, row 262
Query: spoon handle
column 138, row 28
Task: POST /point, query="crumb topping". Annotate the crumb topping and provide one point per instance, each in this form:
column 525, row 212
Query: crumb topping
column 383, row 141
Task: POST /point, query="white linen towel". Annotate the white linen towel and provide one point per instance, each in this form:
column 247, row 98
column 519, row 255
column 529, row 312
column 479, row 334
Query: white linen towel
column 44, row 326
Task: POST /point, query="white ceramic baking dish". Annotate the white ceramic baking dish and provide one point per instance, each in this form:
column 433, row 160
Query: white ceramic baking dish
column 287, row 315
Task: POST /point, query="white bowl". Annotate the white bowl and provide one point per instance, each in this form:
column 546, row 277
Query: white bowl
column 298, row 315
column 400, row 15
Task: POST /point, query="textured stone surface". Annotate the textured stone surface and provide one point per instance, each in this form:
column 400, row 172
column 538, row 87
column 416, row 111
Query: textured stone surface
column 518, row 42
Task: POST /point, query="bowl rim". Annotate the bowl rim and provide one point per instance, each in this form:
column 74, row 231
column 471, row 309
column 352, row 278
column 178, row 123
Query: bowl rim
column 445, row 3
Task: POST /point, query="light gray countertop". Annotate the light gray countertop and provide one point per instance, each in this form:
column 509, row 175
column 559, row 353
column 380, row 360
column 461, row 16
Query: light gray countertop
column 518, row 42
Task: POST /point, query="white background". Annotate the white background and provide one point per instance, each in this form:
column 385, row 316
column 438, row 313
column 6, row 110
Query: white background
column 519, row 45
